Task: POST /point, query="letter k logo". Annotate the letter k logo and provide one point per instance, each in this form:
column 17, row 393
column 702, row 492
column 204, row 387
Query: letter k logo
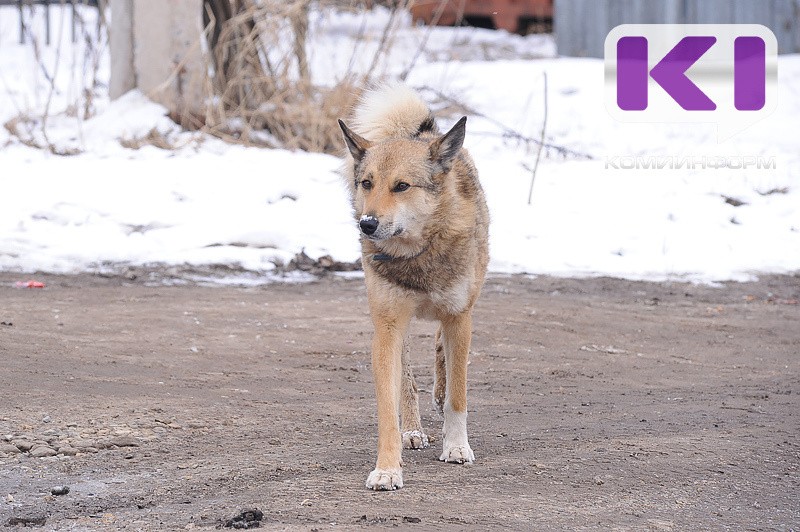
column 733, row 70
column 669, row 73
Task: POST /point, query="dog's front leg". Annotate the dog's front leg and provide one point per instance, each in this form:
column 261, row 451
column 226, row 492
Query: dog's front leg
column 457, row 335
column 387, row 348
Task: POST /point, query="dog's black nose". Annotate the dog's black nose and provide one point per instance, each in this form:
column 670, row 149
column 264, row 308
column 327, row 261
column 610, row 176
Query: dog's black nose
column 368, row 225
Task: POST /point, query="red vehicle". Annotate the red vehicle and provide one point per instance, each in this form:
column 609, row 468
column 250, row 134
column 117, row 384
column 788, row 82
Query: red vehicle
column 510, row 15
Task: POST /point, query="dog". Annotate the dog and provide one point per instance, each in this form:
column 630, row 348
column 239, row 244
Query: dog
column 424, row 238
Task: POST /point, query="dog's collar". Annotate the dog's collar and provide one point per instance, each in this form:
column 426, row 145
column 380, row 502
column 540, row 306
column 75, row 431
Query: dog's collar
column 385, row 257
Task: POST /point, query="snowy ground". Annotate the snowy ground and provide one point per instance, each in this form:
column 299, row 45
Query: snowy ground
column 206, row 202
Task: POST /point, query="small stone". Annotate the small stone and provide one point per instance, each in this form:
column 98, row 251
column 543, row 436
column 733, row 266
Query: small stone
column 43, row 451
column 124, row 441
column 46, row 419
column 59, row 490
column 599, row 481
column 7, row 448
column 23, row 445
column 82, row 444
column 91, row 450
column 245, row 519
column 27, row 521
column 9, row 498
column 67, row 451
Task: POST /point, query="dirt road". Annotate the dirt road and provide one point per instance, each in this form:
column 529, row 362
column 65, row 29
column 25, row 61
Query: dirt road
column 594, row 404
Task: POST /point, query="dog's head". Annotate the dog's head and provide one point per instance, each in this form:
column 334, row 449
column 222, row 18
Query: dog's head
column 397, row 185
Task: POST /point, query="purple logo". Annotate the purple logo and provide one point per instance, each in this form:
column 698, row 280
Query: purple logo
column 750, row 77
column 724, row 73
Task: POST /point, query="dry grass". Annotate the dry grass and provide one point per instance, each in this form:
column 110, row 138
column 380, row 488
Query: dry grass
column 32, row 133
column 152, row 138
column 262, row 93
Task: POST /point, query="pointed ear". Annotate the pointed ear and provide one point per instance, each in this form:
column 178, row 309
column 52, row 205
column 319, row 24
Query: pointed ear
column 444, row 149
column 357, row 144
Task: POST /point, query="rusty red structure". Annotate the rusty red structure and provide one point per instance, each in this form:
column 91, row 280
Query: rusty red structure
column 510, row 15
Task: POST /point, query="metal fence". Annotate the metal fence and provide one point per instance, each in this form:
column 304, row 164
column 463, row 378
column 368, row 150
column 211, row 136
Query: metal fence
column 21, row 4
column 581, row 26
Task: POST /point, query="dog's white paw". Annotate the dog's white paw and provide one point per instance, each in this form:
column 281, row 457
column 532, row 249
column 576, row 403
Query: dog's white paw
column 458, row 454
column 415, row 439
column 385, row 479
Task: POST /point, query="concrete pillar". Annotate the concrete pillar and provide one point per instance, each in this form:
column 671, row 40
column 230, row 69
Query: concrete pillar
column 167, row 53
column 123, row 77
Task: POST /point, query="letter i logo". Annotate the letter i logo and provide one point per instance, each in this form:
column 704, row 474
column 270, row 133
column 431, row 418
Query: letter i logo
column 723, row 73
column 750, row 73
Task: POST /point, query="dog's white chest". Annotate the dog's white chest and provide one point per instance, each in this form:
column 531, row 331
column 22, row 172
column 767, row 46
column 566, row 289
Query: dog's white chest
column 451, row 300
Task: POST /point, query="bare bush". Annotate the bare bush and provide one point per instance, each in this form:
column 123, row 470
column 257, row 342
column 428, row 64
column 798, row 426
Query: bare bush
column 262, row 88
column 79, row 92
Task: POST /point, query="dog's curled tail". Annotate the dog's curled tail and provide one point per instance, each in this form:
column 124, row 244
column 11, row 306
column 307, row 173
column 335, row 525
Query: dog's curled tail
column 392, row 110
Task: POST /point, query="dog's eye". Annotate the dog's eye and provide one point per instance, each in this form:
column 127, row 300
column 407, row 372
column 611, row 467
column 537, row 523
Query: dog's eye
column 401, row 186
column 367, row 184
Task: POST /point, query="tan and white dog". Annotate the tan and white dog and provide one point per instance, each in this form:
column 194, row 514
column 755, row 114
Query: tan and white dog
column 424, row 237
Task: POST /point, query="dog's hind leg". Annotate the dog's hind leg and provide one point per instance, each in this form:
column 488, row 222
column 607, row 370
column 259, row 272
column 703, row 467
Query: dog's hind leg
column 411, row 425
column 439, row 375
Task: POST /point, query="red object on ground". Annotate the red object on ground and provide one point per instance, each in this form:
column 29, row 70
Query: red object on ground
column 505, row 14
column 30, row 284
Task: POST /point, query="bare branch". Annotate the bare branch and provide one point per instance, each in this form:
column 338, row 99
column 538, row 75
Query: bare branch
column 541, row 140
column 507, row 132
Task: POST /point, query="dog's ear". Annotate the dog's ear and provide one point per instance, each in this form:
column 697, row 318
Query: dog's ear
column 444, row 149
column 357, row 144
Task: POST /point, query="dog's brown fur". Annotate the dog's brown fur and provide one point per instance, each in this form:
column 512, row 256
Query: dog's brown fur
column 426, row 258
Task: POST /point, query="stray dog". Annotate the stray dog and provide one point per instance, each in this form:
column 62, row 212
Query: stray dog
column 424, row 240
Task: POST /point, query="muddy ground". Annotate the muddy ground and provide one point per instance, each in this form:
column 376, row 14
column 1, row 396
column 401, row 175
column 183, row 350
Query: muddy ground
column 594, row 404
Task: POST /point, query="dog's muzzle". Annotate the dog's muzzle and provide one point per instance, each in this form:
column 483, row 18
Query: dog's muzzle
column 368, row 225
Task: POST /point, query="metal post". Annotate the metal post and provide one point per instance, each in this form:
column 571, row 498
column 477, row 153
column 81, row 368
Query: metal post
column 47, row 22
column 21, row 23
column 72, row 5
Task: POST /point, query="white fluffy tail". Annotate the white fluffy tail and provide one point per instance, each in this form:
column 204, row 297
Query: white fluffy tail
column 392, row 110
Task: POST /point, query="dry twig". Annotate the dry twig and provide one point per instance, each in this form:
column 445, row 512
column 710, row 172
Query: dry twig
column 541, row 140
column 506, row 131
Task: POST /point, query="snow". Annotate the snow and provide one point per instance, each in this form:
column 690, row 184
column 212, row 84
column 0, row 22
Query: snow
column 205, row 202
